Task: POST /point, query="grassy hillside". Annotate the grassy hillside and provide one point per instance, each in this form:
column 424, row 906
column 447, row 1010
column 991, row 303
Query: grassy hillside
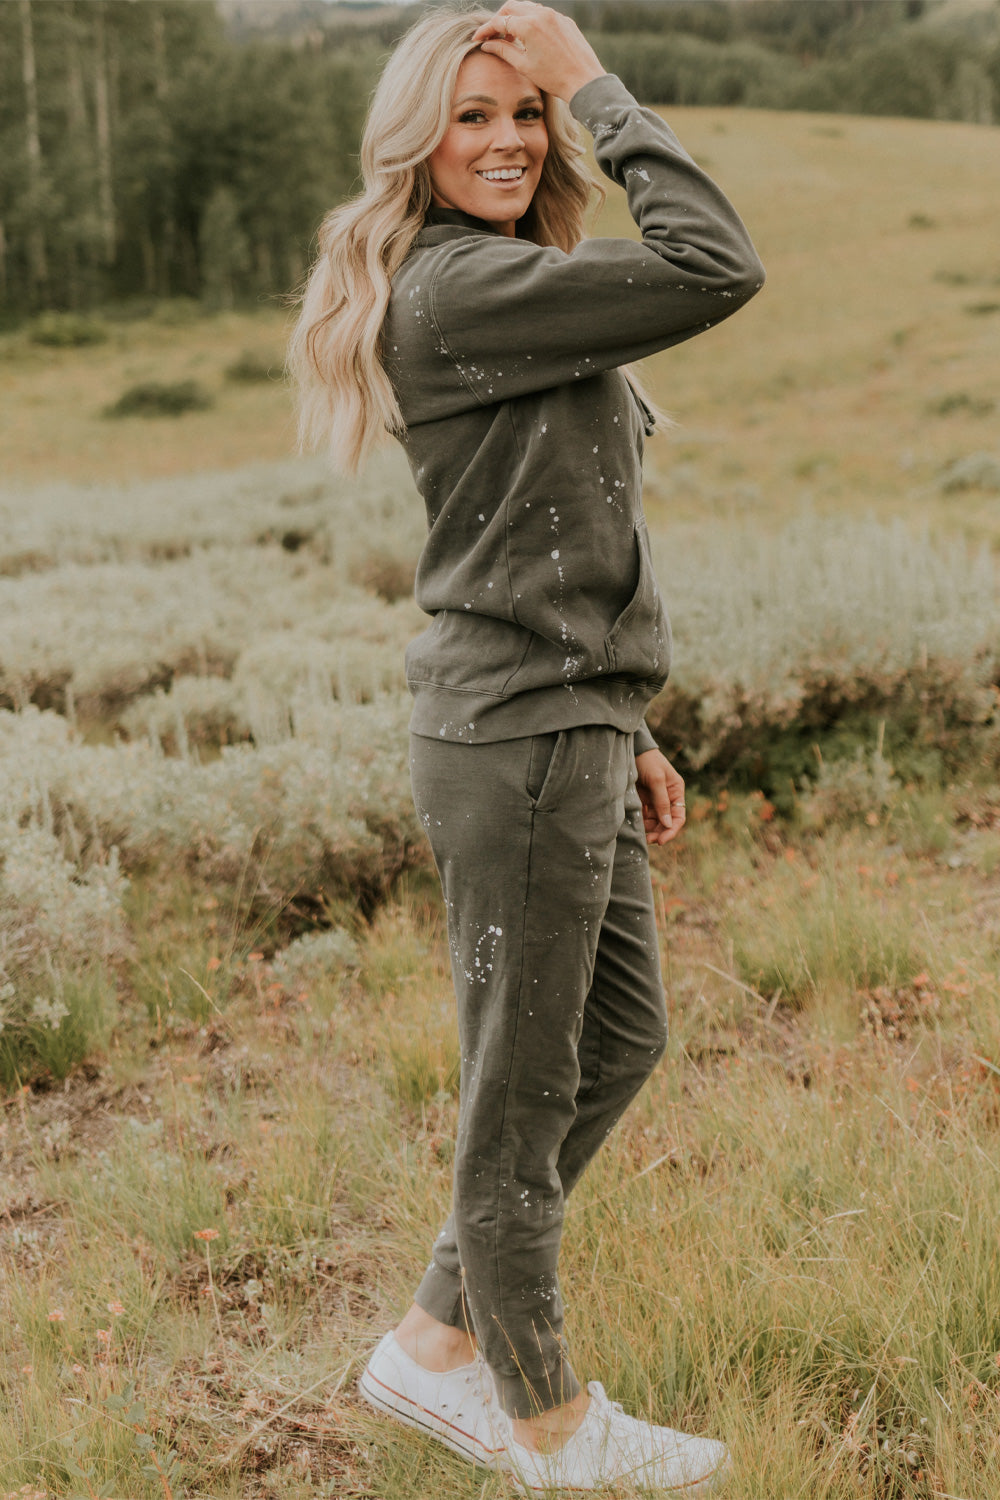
column 869, row 362
column 867, row 365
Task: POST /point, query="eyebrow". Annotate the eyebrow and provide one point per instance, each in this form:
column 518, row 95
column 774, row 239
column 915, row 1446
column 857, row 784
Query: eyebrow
column 485, row 99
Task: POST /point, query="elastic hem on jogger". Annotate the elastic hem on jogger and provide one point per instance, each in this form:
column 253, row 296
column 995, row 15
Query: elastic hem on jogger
column 522, row 1398
column 440, row 1295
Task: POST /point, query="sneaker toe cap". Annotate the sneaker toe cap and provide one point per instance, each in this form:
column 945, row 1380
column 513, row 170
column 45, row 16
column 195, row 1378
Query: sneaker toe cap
column 695, row 1463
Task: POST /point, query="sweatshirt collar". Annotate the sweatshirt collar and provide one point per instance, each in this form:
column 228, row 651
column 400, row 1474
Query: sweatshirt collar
column 436, row 215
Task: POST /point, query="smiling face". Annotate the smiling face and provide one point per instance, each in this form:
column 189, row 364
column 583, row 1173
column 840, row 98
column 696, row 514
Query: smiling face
column 490, row 160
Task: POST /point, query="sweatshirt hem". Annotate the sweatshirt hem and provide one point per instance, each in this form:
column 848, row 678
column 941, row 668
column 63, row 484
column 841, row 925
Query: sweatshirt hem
column 469, row 717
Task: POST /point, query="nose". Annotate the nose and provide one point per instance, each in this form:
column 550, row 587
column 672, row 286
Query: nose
column 507, row 135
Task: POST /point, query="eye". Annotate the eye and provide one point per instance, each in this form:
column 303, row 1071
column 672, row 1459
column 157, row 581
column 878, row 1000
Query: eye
column 531, row 113
column 471, row 117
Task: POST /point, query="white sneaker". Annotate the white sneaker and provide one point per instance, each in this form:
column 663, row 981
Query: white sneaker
column 609, row 1448
column 457, row 1407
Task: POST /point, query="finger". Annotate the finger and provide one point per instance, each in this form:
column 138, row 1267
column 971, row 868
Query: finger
column 511, row 51
column 660, row 798
column 661, row 835
column 665, row 823
column 499, row 26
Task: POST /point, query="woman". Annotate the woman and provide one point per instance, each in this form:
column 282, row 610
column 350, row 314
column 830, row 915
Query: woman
column 456, row 304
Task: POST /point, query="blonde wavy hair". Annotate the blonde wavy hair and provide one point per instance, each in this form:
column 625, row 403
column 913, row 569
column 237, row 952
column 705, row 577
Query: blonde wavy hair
column 345, row 399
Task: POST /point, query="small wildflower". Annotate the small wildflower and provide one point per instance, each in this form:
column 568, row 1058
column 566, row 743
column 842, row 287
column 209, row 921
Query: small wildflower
column 254, row 958
column 206, row 1291
column 116, row 1309
column 77, row 1369
column 57, row 1315
column 206, row 1234
column 214, row 963
column 26, row 1369
column 104, row 1335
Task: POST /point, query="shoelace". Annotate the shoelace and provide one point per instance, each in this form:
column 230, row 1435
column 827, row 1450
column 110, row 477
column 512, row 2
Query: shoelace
column 486, row 1391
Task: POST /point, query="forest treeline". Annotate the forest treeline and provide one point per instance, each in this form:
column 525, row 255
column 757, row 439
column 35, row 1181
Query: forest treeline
column 151, row 151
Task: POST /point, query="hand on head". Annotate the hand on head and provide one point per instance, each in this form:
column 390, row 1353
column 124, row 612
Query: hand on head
column 544, row 45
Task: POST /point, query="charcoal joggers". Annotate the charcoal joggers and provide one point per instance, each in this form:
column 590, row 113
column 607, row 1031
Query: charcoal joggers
column 540, row 847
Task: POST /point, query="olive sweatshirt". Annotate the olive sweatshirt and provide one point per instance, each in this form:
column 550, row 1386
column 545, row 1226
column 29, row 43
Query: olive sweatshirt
column 525, row 439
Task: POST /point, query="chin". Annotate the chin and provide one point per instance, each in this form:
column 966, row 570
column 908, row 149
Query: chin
column 503, row 213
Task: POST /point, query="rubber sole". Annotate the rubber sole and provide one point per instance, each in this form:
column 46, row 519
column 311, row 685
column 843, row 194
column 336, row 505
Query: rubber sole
column 393, row 1404
column 706, row 1484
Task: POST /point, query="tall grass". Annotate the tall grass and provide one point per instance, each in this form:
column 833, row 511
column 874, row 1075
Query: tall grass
column 787, row 1243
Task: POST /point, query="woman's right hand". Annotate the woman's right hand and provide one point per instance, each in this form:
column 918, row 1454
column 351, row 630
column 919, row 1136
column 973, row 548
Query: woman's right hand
column 544, row 45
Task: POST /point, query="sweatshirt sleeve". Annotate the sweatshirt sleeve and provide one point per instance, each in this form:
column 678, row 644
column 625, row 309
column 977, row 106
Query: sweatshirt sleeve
column 515, row 317
column 644, row 740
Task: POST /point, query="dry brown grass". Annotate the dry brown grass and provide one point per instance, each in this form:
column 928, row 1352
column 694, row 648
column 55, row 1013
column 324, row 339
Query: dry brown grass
column 780, row 1244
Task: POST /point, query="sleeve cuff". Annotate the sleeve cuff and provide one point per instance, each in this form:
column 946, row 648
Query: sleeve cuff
column 644, row 740
column 600, row 102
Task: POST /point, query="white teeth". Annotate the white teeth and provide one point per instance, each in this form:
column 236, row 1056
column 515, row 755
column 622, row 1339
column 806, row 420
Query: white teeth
column 503, row 174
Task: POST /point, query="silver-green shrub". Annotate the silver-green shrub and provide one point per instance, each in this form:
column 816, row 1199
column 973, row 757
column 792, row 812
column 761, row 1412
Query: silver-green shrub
column 206, row 710
column 220, row 608
column 316, row 956
column 105, row 635
column 295, row 502
column 62, row 929
column 326, row 811
column 756, row 607
column 802, row 624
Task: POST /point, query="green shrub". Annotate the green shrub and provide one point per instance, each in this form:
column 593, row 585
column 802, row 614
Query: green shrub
column 860, row 788
column 681, row 69
column 154, row 398
column 66, row 330
column 961, row 401
column 178, row 312
column 47, row 1036
column 252, row 368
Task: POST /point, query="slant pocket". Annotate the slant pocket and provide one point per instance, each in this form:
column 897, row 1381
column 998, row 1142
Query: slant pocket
column 543, row 766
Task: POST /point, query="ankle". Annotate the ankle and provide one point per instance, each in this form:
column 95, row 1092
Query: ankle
column 547, row 1432
column 433, row 1345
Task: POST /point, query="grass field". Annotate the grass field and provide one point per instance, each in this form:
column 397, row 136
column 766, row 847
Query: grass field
column 867, row 365
column 226, row 1023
